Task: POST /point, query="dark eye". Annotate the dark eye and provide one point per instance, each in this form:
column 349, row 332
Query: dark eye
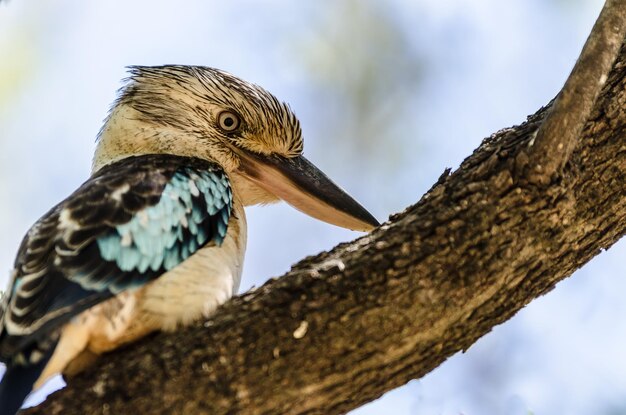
column 228, row 121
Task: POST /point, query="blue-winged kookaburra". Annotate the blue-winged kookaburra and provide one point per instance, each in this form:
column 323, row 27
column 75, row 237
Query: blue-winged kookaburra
column 155, row 238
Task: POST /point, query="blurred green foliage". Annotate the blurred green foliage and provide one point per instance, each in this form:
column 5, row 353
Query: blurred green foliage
column 19, row 60
column 359, row 55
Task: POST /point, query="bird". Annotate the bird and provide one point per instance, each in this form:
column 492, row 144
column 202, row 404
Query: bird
column 155, row 238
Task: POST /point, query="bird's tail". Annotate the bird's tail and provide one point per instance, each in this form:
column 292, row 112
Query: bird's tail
column 17, row 383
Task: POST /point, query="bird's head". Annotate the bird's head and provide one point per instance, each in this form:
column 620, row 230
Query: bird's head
column 207, row 113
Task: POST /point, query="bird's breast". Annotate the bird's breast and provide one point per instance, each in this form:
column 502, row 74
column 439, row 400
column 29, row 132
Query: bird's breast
column 198, row 285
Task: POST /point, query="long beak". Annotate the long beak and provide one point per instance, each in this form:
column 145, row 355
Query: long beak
column 298, row 182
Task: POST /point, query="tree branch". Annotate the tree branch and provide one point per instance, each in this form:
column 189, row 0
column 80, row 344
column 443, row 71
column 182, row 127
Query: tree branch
column 345, row 326
column 557, row 135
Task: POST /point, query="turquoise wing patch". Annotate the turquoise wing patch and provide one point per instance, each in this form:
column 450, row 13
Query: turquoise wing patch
column 193, row 210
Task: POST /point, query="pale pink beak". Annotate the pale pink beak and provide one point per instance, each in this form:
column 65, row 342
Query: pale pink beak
column 298, row 182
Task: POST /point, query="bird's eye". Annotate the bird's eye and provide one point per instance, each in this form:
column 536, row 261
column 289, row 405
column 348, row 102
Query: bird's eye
column 228, row 121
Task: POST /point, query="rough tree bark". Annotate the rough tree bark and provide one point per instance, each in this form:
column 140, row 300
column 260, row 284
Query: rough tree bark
column 345, row 326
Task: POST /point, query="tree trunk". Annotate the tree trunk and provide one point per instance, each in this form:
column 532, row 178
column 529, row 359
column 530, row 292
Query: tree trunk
column 345, row 326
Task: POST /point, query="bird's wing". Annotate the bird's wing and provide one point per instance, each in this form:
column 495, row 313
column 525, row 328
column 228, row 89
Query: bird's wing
column 131, row 222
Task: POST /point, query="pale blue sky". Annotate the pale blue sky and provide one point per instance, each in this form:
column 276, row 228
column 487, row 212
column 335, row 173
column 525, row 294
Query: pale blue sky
column 479, row 66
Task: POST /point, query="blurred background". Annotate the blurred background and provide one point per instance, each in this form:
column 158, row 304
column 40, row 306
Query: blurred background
column 389, row 94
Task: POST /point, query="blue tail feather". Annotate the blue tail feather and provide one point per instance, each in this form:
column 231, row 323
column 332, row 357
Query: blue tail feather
column 17, row 383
